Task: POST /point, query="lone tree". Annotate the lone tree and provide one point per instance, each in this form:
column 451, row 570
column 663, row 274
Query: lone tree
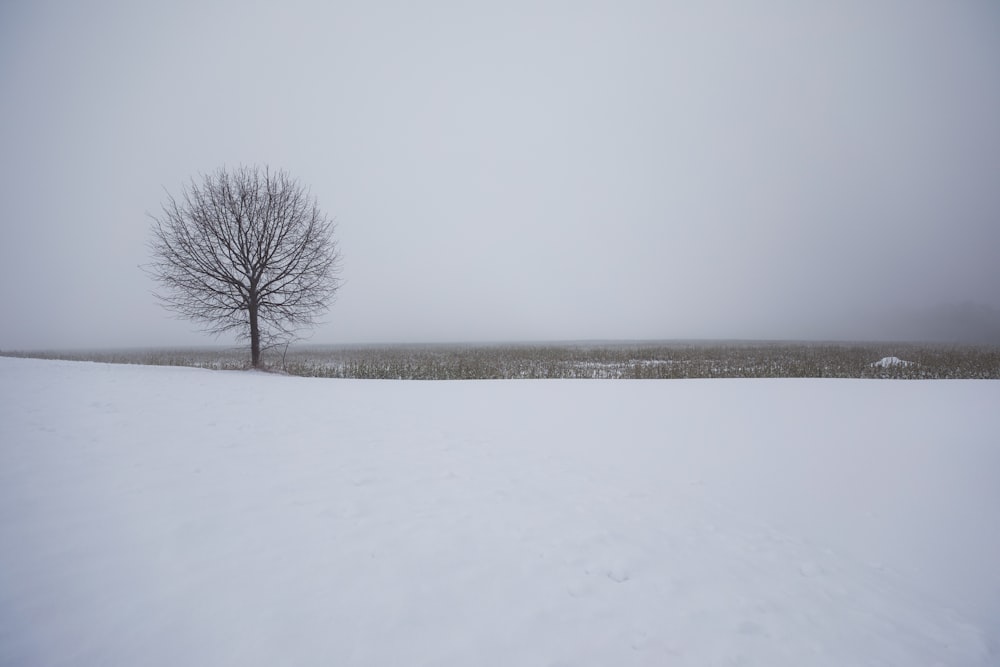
column 247, row 251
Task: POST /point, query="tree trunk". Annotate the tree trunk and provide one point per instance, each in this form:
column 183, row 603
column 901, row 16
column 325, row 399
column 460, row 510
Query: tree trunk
column 254, row 335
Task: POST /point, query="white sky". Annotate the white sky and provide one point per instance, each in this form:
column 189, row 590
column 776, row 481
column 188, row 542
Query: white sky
column 516, row 170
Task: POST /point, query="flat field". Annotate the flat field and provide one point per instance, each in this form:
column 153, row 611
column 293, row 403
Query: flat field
column 606, row 360
column 179, row 516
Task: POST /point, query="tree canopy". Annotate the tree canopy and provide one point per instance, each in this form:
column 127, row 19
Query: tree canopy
column 246, row 251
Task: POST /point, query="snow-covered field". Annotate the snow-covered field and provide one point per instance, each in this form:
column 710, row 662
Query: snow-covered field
column 174, row 516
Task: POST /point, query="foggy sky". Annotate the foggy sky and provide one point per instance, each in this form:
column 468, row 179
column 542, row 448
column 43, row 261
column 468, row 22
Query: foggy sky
column 516, row 170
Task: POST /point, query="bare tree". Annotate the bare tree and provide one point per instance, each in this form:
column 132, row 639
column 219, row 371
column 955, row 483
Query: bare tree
column 246, row 251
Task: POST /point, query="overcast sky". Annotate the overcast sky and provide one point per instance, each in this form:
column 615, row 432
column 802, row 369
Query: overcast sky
column 516, row 170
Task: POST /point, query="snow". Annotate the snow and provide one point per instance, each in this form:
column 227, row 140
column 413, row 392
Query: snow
column 174, row 516
column 885, row 362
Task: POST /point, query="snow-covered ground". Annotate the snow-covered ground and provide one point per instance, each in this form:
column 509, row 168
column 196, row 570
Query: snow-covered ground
column 172, row 516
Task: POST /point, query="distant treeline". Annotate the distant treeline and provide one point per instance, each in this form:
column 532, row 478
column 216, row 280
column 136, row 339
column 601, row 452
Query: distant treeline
column 652, row 360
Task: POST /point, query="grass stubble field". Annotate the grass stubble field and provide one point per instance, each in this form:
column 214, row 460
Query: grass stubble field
column 579, row 360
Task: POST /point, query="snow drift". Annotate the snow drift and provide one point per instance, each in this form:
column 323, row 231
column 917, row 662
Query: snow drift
column 167, row 516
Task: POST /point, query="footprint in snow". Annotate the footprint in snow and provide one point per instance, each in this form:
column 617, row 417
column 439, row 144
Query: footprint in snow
column 617, row 573
column 810, row 569
column 752, row 629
